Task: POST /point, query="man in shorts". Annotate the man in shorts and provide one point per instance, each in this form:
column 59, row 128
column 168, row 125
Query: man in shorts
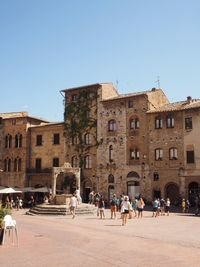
column 73, row 205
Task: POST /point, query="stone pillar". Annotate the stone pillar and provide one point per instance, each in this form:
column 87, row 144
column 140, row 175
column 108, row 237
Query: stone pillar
column 54, row 177
column 182, row 186
column 78, row 178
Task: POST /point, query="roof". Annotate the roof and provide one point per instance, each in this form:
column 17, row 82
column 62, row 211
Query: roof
column 47, row 124
column 178, row 106
column 21, row 114
column 82, row 87
column 121, row 96
column 9, row 115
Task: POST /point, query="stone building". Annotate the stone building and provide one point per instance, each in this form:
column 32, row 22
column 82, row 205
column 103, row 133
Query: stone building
column 174, row 150
column 132, row 143
column 119, row 163
column 47, row 151
column 14, row 147
column 81, row 130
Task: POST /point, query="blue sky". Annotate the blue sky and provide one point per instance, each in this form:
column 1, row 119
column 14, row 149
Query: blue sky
column 50, row 45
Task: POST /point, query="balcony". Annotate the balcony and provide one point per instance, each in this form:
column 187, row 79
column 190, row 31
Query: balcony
column 44, row 170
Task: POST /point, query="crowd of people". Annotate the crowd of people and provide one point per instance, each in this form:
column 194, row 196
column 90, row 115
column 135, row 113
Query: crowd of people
column 128, row 207
column 19, row 202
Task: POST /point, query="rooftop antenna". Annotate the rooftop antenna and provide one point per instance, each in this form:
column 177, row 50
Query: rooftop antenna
column 158, row 82
column 117, row 82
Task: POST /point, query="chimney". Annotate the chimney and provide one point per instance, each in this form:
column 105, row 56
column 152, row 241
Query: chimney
column 189, row 99
column 153, row 89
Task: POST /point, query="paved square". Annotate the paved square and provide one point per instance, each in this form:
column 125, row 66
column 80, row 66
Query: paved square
column 88, row 241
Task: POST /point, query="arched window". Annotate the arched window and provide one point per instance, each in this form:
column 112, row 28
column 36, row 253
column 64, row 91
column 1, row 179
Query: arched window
column 7, row 165
column 110, row 153
column 112, row 126
column 111, row 179
column 134, row 153
column 74, row 140
column 158, row 123
column 173, row 153
column 87, row 162
column 17, row 165
column 8, row 141
column 18, row 140
column 74, row 162
column 158, row 154
column 134, row 124
column 87, row 139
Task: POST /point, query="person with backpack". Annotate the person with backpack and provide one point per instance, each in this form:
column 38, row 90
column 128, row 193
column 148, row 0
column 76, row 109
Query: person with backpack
column 113, row 206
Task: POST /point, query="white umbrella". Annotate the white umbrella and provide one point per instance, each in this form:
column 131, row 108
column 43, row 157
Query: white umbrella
column 40, row 190
column 9, row 190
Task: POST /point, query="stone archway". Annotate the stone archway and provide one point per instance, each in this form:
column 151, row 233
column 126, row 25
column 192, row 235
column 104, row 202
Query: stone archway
column 172, row 192
column 66, row 168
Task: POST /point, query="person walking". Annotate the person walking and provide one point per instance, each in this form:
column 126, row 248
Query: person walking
column 140, row 207
column 125, row 207
column 167, row 206
column 162, row 206
column 155, row 208
column 73, row 205
column 134, row 206
column 101, row 205
column 183, row 205
column 113, row 206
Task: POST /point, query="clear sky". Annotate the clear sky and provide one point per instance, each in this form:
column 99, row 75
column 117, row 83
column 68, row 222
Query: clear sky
column 50, row 45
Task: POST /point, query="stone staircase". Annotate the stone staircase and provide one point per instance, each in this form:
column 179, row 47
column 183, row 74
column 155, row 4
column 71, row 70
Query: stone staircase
column 48, row 209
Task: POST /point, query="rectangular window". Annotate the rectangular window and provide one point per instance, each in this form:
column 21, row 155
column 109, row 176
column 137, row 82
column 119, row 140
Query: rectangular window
column 39, row 140
column 158, row 123
column 158, row 154
column 74, row 98
column 55, row 162
column 173, row 155
column 188, row 123
column 56, row 139
column 155, row 176
column 170, row 122
column 134, row 154
column 38, row 164
column 14, row 122
column 130, row 103
column 190, row 156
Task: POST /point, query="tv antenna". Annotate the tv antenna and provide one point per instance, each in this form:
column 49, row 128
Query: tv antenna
column 158, row 82
column 117, row 82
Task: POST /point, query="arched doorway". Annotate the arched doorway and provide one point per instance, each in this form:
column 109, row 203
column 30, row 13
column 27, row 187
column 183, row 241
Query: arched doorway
column 87, row 188
column 67, row 184
column 133, row 188
column 133, row 184
column 193, row 192
column 172, row 192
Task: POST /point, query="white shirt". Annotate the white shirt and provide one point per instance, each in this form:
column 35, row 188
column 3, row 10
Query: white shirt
column 73, row 201
column 125, row 205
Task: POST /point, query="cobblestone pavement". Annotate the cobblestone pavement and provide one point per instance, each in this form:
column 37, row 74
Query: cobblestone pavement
column 88, row 241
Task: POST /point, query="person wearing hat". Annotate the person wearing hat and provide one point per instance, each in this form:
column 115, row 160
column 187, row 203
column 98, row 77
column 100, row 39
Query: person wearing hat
column 125, row 207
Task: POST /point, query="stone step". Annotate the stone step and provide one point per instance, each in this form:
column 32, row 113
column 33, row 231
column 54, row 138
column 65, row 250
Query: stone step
column 46, row 209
